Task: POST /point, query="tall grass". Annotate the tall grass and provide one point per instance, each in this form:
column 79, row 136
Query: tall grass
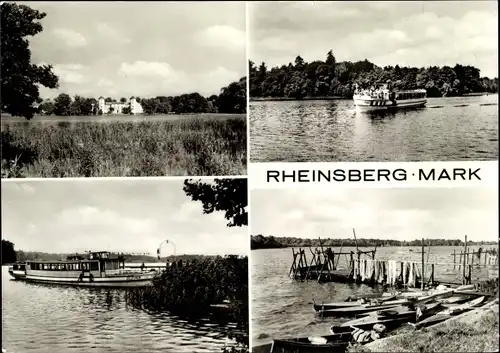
column 191, row 146
column 190, row 289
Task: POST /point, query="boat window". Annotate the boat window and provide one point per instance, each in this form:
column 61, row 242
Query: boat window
column 94, row 266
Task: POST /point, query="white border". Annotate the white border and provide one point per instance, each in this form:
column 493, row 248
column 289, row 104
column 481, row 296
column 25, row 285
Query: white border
column 249, row 232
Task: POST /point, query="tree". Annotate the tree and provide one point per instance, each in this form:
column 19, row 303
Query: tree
column 8, row 252
column 123, row 100
column 20, row 78
column 46, row 107
column 126, row 110
column 233, row 98
column 62, row 104
column 229, row 195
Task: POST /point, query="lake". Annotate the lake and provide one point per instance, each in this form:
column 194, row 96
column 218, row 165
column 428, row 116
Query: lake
column 448, row 129
column 115, row 118
column 64, row 319
column 282, row 307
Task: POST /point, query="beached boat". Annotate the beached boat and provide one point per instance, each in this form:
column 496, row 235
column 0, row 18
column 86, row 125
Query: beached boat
column 374, row 301
column 392, row 318
column 329, row 343
column 359, row 309
column 383, row 99
column 97, row 269
column 451, row 310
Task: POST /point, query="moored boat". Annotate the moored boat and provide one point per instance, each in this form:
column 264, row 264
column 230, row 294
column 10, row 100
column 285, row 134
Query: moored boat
column 359, row 309
column 383, row 98
column 18, row 270
column 98, row 269
column 329, row 343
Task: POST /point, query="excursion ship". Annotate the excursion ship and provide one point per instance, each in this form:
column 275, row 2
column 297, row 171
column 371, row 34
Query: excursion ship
column 98, row 269
column 383, row 99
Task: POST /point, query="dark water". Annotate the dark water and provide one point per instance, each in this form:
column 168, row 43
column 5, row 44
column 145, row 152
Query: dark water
column 64, row 319
column 114, row 118
column 282, row 307
column 462, row 128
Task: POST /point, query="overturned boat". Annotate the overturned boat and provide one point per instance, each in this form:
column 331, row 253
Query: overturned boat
column 97, row 269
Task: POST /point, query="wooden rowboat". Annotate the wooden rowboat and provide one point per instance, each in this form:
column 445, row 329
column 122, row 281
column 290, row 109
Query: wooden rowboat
column 330, row 343
column 359, row 309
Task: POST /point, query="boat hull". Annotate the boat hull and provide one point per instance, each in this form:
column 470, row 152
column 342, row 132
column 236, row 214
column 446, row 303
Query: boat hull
column 18, row 275
column 108, row 282
column 381, row 104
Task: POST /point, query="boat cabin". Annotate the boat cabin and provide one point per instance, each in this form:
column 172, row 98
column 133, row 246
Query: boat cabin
column 407, row 95
column 96, row 263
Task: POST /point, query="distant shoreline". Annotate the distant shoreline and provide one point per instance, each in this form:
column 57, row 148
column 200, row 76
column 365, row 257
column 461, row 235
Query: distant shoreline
column 331, row 98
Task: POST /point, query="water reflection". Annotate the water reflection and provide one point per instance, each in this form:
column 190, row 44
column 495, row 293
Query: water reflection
column 53, row 318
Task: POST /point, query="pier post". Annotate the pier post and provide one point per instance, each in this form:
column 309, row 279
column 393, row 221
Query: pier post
column 469, row 275
column 432, row 275
column 465, row 254
column 454, row 257
column 423, row 267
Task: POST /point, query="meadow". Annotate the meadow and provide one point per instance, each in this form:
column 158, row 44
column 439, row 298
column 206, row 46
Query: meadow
column 194, row 145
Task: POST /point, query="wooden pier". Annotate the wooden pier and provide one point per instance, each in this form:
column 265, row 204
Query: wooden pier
column 362, row 267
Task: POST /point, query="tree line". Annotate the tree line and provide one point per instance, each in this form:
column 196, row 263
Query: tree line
column 231, row 100
column 329, row 78
column 270, row 242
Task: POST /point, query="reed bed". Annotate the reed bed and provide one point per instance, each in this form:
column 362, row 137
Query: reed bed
column 190, row 290
column 188, row 146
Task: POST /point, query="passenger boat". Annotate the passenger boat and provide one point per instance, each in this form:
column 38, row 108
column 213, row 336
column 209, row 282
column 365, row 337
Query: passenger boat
column 97, row 269
column 383, row 99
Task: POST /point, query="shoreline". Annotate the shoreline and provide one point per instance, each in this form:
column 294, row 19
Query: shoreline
column 331, row 98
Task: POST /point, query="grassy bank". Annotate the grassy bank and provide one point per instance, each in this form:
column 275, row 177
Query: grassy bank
column 476, row 331
column 191, row 289
column 192, row 146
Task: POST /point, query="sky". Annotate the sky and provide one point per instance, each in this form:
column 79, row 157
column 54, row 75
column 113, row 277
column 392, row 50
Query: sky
column 399, row 214
column 145, row 49
column 417, row 33
column 130, row 216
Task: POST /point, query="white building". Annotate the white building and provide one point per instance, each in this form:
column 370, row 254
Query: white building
column 105, row 107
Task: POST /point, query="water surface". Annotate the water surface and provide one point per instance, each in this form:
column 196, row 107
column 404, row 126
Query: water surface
column 63, row 319
column 448, row 129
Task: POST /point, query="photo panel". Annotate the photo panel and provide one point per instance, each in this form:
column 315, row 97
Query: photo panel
column 115, row 89
column 337, row 270
column 130, row 265
column 373, row 81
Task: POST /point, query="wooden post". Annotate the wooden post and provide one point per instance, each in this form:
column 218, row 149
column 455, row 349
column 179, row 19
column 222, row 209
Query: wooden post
column 465, row 252
column 469, row 279
column 454, row 257
column 432, row 275
column 402, row 275
column 423, row 267
column 460, row 261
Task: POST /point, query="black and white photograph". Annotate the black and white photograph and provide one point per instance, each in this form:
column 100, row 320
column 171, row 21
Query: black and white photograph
column 374, row 270
column 373, row 81
column 115, row 89
column 137, row 265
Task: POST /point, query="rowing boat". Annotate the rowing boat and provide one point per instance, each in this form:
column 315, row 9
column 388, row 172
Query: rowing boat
column 352, row 304
column 451, row 310
column 329, row 343
column 389, row 318
column 359, row 309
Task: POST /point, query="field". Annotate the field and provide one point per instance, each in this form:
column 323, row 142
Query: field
column 194, row 145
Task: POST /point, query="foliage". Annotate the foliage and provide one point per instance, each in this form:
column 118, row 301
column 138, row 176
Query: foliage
column 211, row 145
column 62, row 104
column 8, row 252
column 270, row 242
column 126, row 110
column 233, row 98
column 228, row 195
column 20, row 78
column 330, row 78
column 191, row 289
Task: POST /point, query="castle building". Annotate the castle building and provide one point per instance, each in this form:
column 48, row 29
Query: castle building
column 117, row 107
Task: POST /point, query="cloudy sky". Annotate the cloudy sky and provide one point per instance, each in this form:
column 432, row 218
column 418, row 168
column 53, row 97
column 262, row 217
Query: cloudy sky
column 402, row 214
column 131, row 216
column 143, row 48
column 419, row 33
